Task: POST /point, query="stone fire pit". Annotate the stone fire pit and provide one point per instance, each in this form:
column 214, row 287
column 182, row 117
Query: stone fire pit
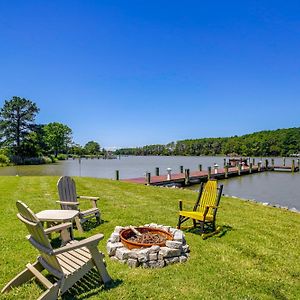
column 173, row 250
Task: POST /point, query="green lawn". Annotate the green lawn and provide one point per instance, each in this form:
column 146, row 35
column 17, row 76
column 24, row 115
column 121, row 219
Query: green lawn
column 258, row 257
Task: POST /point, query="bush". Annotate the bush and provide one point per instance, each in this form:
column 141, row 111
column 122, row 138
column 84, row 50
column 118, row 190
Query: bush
column 47, row 160
column 62, row 156
column 33, row 161
column 4, row 160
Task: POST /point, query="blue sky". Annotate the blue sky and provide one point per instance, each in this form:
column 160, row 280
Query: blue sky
column 130, row 73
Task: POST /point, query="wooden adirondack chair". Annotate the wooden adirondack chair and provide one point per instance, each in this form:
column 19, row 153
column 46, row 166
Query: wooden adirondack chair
column 67, row 264
column 69, row 200
column 205, row 209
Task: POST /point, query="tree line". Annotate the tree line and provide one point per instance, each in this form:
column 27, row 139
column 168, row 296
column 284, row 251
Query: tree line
column 280, row 142
column 23, row 141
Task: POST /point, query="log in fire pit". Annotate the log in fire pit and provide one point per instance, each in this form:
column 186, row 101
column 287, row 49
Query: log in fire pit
column 148, row 246
column 144, row 237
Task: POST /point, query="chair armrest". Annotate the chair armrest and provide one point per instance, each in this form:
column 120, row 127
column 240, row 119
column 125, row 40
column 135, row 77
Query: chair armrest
column 92, row 199
column 58, row 228
column 89, row 198
column 83, row 243
column 68, row 203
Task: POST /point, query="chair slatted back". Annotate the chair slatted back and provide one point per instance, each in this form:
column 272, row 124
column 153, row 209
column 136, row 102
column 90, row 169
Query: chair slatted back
column 37, row 233
column 209, row 196
column 67, row 191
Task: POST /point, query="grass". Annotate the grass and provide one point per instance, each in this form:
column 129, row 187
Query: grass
column 256, row 258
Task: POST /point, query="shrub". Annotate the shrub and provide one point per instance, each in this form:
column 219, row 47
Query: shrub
column 33, row 161
column 47, row 160
column 62, row 156
column 4, row 160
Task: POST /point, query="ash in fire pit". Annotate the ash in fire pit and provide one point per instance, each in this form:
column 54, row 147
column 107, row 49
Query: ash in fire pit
column 148, row 238
column 149, row 246
column 143, row 237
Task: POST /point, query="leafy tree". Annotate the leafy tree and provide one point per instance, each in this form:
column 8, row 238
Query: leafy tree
column 17, row 121
column 76, row 149
column 58, row 137
column 92, row 147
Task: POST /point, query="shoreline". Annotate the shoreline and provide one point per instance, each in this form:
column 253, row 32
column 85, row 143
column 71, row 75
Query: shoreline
column 292, row 209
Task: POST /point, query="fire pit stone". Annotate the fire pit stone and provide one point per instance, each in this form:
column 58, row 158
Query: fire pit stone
column 174, row 250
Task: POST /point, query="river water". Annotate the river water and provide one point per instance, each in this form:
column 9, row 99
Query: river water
column 274, row 187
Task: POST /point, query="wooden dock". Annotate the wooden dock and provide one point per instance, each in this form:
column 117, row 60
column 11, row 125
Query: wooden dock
column 195, row 177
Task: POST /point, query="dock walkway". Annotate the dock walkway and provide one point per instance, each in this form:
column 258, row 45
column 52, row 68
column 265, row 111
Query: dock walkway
column 196, row 176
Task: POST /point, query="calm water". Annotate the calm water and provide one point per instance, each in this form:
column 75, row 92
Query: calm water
column 273, row 187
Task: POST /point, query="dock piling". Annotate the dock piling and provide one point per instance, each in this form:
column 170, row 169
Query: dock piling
column 157, row 171
column 250, row 168
column 169, row 175
column 293, row 166
column 226, row 171
column 200, row 167
column 209, row 173
column 181, row 169
column 267, row 164
column 239, row 169
column 186, row 176
column 117, row 175
column 259, row 166
column 148, row 178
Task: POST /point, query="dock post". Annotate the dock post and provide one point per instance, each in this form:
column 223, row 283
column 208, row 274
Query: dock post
column 293, row 166
column 253, row 161
column 169, row 175
column 200, row 167
column 224, row 162
column 273, row 163
column 181, row 169
column 226, row 171
column 239, row 169
column 208, row 173
column 117, row 175
column 250, row 168
column 186, row 176
column 259, row 166
column 298, row 163
column 284, row 161
column 267, row 164
column 157, row 171
column 148, row 178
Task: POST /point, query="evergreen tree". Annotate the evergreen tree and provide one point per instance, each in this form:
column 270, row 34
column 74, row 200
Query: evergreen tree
column 17, row 118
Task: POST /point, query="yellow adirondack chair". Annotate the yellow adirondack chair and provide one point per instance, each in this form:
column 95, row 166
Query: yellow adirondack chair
column 68, row 264
column 205, row 209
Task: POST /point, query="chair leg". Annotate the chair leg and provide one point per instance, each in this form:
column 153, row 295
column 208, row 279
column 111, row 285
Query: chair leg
column 201, row 227
column 98, row 218
column 78, row 224
column 97, row 258
column 213, row 226
column 51, row 293
column 22, row 277
column 179, row 222
column 194, row 223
